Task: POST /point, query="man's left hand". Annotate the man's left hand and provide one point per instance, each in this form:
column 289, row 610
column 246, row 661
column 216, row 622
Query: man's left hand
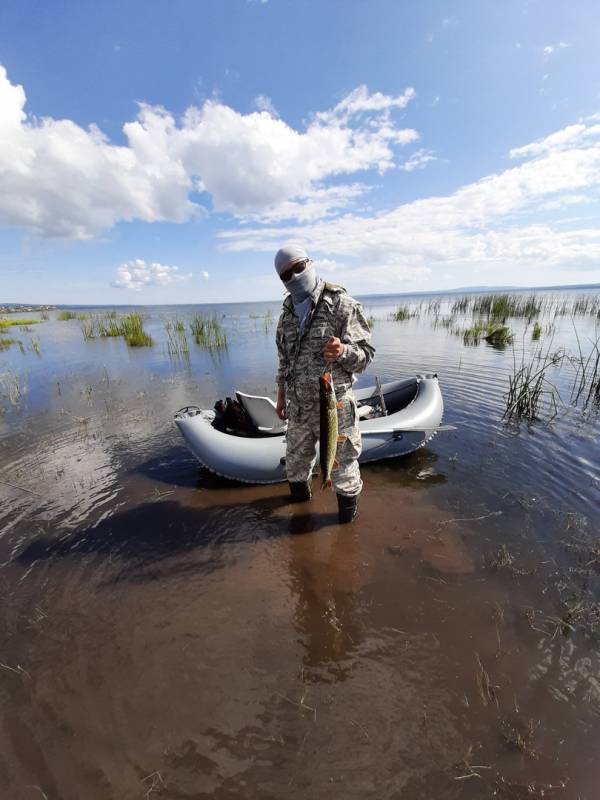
column 333, row 349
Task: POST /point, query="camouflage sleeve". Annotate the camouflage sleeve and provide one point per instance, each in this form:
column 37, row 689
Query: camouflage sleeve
column 281, row 352
column 356, row 335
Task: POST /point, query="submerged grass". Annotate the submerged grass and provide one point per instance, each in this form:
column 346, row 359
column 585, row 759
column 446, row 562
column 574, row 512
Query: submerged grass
column 208, row 332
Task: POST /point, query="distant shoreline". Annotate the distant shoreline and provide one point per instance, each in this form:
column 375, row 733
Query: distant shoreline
column 8, row 308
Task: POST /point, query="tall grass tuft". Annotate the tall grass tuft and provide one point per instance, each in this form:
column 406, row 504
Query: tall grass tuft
column 537, row 332
column 494, row 334
column 401, row 314
column 177, row 341
column 208, row 332
column 132, row 329
column 64, row 316
column 528, row 386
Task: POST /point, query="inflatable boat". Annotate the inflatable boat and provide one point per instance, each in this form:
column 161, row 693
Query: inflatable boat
column 394, row 419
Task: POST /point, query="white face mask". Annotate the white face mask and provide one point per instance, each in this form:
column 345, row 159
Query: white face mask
column 300, row 286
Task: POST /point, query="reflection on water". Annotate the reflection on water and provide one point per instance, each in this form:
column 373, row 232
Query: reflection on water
column 169, row 634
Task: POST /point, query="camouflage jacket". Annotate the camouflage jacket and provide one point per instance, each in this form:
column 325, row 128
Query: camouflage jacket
column 301, row 359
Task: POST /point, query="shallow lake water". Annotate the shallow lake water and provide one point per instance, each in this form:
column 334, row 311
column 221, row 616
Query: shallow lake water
column 169, row 634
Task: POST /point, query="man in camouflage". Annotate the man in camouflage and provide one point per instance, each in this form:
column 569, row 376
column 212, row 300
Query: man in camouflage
column 320, row 325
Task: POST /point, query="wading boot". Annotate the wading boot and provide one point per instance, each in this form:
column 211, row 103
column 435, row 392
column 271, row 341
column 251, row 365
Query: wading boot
column 347, row 508
column 299, row 491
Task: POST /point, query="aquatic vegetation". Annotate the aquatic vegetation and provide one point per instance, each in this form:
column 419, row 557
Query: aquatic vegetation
column 130, row 327
column 6, row 343
column 586, row 383
column 63, row 316
column 461, row 306
column 499, row 337
column 12, row 388
column 208, row 332
column 177, row 341
column 401, row 314
column 132, row 330
column 537, row 332
column 8, row 323
column 528, row 386
column 448, row 323
column 502, row 306
column 45, row 316
column 494, row 334
column 371, row 323
column 34, row 345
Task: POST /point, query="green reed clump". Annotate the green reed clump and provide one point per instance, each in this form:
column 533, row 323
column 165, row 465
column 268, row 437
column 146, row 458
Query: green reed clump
column 8, row 323
column 208, row 332
column 586, row 384
column 177, row 341
column 371, row 323
column 528, row 386
column 64, row 316
column 129, row 326
column 474, row 334
column 401, row 314
column 110, row 325
column 88, row 328
column 500, row 307
column 132, row 329
column 497, row 335
column 6, row 343
column 537, row 332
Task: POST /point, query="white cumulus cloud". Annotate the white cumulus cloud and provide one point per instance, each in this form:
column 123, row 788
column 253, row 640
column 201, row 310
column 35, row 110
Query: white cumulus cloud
column 137, row 274
column 60, row 179
column 502, row 219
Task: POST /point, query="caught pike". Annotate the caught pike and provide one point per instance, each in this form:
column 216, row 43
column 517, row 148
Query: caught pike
column 328, row 438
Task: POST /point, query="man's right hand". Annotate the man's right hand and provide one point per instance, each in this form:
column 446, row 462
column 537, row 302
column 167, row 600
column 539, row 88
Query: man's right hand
column 280, row 405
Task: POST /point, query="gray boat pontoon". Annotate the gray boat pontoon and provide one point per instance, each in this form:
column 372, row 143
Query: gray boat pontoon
column 394, row 419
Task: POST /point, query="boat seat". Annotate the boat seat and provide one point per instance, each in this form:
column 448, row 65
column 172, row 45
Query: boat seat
column 261, row 411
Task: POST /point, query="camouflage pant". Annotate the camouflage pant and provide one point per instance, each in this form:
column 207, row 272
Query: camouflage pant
column 302, row 440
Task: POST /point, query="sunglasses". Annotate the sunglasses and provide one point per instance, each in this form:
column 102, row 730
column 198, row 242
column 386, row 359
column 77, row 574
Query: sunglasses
column 295, row 270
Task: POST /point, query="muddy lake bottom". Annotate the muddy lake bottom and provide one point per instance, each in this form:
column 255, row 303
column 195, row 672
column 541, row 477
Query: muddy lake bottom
column 168, row 634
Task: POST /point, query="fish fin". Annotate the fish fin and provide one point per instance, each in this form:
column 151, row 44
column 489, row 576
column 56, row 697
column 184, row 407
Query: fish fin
column 342, row 438
column 326, row 484
column 336, row 465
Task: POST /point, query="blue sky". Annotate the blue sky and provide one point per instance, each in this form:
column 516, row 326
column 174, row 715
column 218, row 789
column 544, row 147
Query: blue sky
column 154, row 152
